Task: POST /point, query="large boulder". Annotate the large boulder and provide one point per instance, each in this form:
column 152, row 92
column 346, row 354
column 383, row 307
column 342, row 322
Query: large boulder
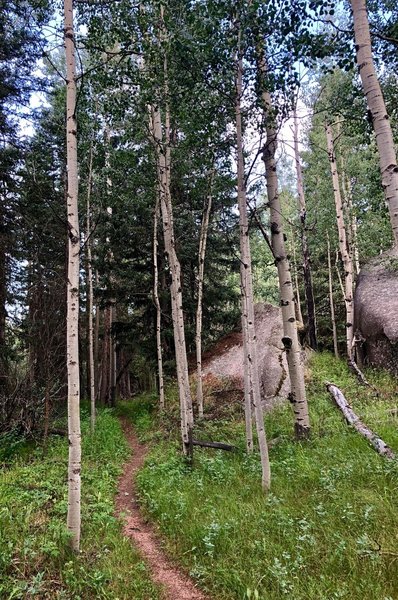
column 376, row 312
column 226, row 359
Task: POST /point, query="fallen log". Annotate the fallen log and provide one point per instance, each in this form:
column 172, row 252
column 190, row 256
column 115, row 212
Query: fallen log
column 217, row 445
column 378, row 444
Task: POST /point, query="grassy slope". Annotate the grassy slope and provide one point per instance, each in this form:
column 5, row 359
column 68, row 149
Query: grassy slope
column 34, row 557
column 328, row 529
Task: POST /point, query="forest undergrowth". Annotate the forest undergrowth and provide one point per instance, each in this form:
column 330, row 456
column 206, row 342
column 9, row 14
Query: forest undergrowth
column 328, row 529
column 35, row 561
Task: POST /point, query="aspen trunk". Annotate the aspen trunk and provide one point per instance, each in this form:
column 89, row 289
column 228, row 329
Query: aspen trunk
column 378, row 112
column 343, row 244
column 198, row 337
column 331, row 301
column 378, row 444
column 290, row 339
column 106, row 356
column 72, row 332
column 299, row 312
column 247, row 376
column 309, row 291
column 351, row 218
column 163, row 159
column 90, row 332
column 96, row 339
column 157, row 305
column 247, row 289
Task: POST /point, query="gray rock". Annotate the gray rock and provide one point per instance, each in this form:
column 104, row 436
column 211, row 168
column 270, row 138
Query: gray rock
column 227, row 361
column 376, row 312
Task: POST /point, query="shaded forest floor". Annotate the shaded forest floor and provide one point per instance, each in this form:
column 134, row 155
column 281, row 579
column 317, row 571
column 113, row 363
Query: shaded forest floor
column 329, row 527
column 327, row 530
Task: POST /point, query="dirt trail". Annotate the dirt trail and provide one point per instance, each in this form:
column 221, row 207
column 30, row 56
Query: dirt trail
column 176, row 585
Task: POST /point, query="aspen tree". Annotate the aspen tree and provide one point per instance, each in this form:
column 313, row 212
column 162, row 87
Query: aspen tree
column 72, row 324
column 309, row 292
column 90, row 294
column 331, row 302
column 343, row 245
column 157, row 303
column 378, row 112
column 290, row 338
column 176, row 284
column 249, row 331
column 201, row 268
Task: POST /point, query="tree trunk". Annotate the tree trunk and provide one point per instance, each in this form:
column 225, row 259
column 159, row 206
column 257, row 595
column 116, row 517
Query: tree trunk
column 309, row 291
column 378, row 444
column 343, row 244
column 90, row 333
column 332, row 314
column 3, row 299
column 350, row 218
column 96, row 339
column 248, row 404
column 299, row 312
column 106, row 356
column 157, row 303
column 247, row 287
column 290, row 339
column 74, row 436
column 378, row 112
column 201, row 268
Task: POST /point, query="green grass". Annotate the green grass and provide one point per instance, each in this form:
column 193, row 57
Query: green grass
column 35, row 560
column 327, row 530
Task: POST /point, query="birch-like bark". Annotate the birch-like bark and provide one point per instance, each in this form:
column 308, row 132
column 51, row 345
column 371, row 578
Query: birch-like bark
column 201, row 269
column 343, row 245
column 331, row 302
column 299, row 312
column 90, row 328
column 247, row 287
column 247, row 378
column 157, row 304
column 176, row 284
column 352, row 418
column 378, row 112
column 72, row 324
column 170, row 246
column 350, row 218
column 96, row 339
column 290, row 336
column 309, row 291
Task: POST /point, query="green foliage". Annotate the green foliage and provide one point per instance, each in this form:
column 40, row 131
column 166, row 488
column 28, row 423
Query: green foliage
column 35, row 560
column 326, row 529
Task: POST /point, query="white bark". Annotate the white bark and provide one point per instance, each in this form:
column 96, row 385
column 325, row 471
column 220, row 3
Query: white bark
column 290, row 340
column 90, row 332
column 331, row 302
column 247, row 289
column 378, row 444
column 201, row 269
column 247, row 376
column 72, row 325
column 176, row 283
column 343, row 245
column 351, row 219
column 157, row 305
column 377, row 110
column 309, row 292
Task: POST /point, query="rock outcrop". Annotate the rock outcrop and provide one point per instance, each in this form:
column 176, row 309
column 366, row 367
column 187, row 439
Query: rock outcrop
column 376, row 313
column 226, row 358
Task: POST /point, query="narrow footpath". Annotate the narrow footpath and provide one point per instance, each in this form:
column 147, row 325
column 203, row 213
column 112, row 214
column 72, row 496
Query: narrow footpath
column 176, row 585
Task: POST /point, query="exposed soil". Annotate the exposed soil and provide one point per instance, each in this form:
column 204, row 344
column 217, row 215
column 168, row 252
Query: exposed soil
column 175, row 585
